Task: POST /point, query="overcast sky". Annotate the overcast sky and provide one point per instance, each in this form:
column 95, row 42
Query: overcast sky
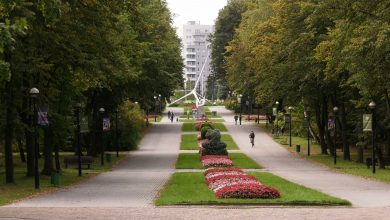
column 205, row 11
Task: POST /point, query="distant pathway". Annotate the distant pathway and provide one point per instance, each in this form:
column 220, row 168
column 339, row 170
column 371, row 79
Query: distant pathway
column 133, row 183
column 361, row 192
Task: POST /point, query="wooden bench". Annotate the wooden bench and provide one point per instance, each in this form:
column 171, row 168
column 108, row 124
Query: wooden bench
column 386, row 161
column 85, row 160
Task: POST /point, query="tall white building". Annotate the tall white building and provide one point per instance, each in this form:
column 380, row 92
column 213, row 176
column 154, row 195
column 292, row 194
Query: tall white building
column 195, row 40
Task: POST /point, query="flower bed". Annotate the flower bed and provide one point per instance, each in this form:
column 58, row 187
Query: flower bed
column 234, row 183
column 216, row 160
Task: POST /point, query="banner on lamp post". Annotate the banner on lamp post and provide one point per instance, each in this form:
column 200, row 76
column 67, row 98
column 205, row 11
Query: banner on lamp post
column 331, row 124
column 367, row 122
column 287, row 118
column 274, row 111
column 106, row 124
column 43, row 119
column 84, row 128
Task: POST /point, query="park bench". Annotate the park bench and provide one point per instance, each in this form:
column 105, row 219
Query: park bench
column 386, row 161
column 85, row 160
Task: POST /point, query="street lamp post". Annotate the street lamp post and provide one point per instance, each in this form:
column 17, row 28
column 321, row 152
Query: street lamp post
column 335, row 110
column 277, row 120
column 77, row 111
column 258, row 114
column 34, row 93
column 240, row 101
column 290, row 122
column 307, row 116
column 159, row 103
column 102, row 110
column 155, row 108
column 116, row 133
column 372, row 106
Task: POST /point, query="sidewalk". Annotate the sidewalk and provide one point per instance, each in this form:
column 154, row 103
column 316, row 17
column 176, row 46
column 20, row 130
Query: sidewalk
column 133, row 183
column 359, row 191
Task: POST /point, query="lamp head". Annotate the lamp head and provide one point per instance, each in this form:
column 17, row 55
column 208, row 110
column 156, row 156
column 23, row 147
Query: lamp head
column 335, row 109
column 372, row 105
column 77, row 105
column 290, row 108
column 101, row 110
column 277, row 103
column 34, row 92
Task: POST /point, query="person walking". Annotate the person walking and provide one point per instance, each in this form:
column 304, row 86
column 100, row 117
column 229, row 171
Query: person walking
column 169, row 114
column 236, row 118
column 172, row 116
column 252, row 138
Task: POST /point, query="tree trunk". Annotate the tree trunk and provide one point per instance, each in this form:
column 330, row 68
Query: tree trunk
column 48, row 149
column 388, row 116
column 21, row 151
column 57, row 157
column 321, row 130
column 346, row 150
column 30, row 153
column 9, row 132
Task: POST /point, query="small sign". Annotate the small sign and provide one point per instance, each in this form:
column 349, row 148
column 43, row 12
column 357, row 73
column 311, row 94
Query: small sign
column 106, row 124
column 84, row 128
column 367, row 122
column 274, row 111
column 43, row 119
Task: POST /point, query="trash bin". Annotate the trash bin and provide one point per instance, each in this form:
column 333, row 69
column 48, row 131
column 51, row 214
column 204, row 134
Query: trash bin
column 298, row 148
column 55, row 178
column 108, row 158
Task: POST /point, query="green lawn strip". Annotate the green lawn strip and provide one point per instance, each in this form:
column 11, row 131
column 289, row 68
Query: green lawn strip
column 210, row 119
column 190, row 188
column 191, row 126
column 349, row 167
column 220, row 126
column 192, row 161
column 231, row 145
column 208, row 116
column 24, row 186
column 190, row 142
column 188, row 126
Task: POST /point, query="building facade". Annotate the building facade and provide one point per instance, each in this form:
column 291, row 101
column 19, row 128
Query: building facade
column 195, row 41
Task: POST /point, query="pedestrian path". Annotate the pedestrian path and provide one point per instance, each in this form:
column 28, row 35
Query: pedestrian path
column 359, row 191
column 133, row 183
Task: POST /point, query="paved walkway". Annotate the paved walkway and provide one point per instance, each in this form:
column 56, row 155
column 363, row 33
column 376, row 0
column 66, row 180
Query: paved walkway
column 360, row 192
column 133, row 183
column 266, row 213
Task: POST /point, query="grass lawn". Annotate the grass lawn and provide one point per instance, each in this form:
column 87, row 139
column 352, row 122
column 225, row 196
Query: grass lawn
column 192, row 161
column 24, row 186
column 191, row 188
column 208, row 116
column 191, row 126
column 350, row 167
column 210, row 119
column 190, row 142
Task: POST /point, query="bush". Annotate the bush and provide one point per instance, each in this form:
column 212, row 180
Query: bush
column 213, row 144
column 232, row 104
column 203, row 131
column 131, row 124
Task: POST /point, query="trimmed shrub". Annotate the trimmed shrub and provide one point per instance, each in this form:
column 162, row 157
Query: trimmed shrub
column 213, row 145
column 203, row 131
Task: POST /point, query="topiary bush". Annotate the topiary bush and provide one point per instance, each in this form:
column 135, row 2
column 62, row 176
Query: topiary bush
column 203, row 131
column 213, row 145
